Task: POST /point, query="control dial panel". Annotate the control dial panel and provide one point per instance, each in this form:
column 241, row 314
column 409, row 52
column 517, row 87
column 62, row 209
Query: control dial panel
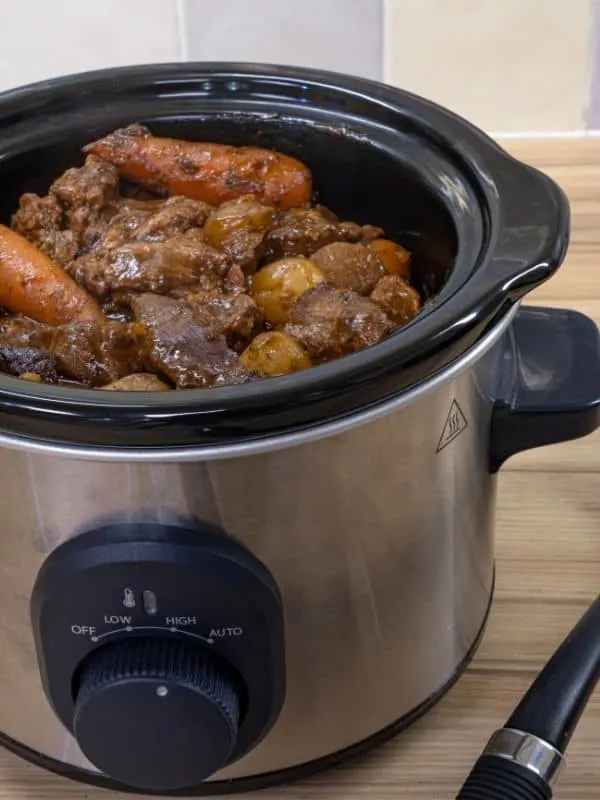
column 161, row 648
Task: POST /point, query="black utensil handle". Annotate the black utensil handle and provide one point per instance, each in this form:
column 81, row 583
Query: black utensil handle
column 495, row 778
column 549, row 384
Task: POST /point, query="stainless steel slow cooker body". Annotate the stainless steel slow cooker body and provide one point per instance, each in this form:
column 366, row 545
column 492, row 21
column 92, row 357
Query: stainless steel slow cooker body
column 366, row 488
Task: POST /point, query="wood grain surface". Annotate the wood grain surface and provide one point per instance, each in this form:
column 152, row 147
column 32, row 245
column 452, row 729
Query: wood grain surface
column 548, row 549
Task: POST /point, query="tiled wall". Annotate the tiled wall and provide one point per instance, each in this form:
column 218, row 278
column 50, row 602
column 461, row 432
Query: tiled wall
column 508, row 65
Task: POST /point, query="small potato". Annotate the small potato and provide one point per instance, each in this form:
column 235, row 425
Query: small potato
column 245, row 214
column 393, row 257
column 273, row 353
column 277, row 286
column 137, row 382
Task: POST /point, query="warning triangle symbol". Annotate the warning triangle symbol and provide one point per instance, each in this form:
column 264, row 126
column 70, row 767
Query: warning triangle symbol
column 455, row 424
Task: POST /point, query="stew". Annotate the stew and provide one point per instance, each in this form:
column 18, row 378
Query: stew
column 164, row 264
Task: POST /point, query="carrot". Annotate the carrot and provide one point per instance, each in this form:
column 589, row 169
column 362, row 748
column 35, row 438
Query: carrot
column 393, row 256
column 32, row 284
column 213, row 173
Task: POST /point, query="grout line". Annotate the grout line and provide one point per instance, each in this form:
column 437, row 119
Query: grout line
column 381, row 35
column 385, row 28
column 593, row 87
column 181, row 24
column 589, row 66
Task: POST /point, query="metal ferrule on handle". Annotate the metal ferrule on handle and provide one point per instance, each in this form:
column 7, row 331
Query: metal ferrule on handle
column 529, row 751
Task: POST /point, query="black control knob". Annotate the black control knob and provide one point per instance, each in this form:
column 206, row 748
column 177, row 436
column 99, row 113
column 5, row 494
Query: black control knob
column 157, row 714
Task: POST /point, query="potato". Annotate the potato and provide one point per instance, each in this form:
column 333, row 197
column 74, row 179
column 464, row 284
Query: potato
column 137, row 382
column 277, row 286
column 393, row 257
column 236, row 215
column 273, row 353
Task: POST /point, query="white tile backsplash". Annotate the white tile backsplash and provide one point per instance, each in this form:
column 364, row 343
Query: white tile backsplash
column 41, row 39
column 339, row 35
column 506, row 65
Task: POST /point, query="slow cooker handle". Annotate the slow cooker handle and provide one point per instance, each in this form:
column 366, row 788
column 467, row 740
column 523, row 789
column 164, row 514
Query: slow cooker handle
column 549, row 382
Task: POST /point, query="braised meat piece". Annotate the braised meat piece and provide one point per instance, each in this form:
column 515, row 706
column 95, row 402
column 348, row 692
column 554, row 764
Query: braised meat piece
column 20, row 331
column 40, row 220
column 234, row 316
column 89, row 196
column 353, row 232
column 140, row 266
column 299, row 232
column 96, row 353
column 349, row 266
column 76, row 209
column 238, row 228
column 171, row 217
column 27, row 362
column 399, row 300
column 302, row 231
column 331, row 322
column 180, row 349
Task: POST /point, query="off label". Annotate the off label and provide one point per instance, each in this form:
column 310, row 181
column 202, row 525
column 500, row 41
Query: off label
column 83, row 630
column 455, row 424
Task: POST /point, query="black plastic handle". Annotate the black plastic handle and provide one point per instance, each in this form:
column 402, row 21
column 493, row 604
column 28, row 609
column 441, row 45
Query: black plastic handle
column 549, row 384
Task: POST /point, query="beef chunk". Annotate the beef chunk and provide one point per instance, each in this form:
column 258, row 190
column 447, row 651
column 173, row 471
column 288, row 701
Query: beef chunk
column 171, row 217
column 28, row 361
column 299, row 232
column 238, row 228
column 150, row 221
column 40, row 220
column 302, row 231
column 399, row 300
column 96, row 353
column 180, row 349
column 139, row 266
column 350, row 266
column 330, row 323
column 138, row 382
column 353, row 232
column 123, row 225
column 74, row 213
column 235, row 316
column 89, row 196
column 20, row 331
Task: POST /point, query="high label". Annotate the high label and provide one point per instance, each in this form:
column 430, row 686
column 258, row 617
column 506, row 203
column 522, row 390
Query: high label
column 180, row 622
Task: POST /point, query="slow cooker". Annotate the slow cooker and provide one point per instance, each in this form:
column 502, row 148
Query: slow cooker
column 214, row 590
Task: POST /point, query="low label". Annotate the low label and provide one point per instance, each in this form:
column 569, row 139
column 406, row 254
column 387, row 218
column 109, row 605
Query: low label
column 116, row 619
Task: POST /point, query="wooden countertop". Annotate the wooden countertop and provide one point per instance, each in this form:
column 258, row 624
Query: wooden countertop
column 548, row 571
